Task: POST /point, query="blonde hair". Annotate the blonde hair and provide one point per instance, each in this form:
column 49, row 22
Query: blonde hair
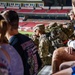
column 73, row 1
column 3, row 30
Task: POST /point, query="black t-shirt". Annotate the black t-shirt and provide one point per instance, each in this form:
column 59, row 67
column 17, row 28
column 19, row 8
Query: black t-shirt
column 28, row 52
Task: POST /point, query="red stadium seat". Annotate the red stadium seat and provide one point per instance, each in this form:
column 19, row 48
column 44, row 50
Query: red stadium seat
column 22, row 23
column 53, row 11
column 12, row 8
column 64, row 11
column 25, row 10
column 28, row 26
column 58, row 11
column 40, row 11
column 1, row 9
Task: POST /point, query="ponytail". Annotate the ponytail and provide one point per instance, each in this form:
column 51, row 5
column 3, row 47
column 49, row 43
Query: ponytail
column 3, row 30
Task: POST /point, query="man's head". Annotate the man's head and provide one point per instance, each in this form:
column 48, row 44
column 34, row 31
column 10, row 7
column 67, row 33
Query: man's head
column 73, row 6
column 12, row 18
column 39, row 28
column 71, row 14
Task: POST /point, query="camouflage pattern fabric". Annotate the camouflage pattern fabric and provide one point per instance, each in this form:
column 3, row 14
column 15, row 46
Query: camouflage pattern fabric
column 55, row 32
column 36, row 40
column 69, row 29
column 63, row 37
column 51, row 25
column 44, row 49
column 56, row 37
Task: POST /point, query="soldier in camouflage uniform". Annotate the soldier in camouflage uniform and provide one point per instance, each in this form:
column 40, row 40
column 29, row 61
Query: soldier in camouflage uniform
column 51, row 25
column 69, row 29
column 55, row 38
column 72, row 18
column 35, row 38
column 44, row 44
column 54, row 34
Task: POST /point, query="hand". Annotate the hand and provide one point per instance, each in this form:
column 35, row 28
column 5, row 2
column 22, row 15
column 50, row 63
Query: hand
column 69, row 50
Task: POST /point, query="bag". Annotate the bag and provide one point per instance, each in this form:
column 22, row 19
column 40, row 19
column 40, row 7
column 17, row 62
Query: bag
column 3, row 67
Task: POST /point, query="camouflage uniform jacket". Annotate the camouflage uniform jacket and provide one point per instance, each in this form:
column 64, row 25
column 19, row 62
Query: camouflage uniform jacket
column 43, row 46
column 36, row 40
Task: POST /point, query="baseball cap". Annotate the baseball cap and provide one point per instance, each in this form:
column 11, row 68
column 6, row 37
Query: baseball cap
column 39, row 27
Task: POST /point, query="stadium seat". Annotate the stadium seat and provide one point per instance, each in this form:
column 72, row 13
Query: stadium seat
column 63, row 11
column 53, row 11
column 40, row 11
column 1, row 9
column 67, row 7
column 55, row 7
column 25, row 10
column 13, row 8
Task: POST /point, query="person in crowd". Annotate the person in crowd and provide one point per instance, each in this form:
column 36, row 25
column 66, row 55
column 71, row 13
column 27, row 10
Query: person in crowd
column 63, row 54
column 23, row 44
column 67, row 69
column 10, row 60
column 73, row 6
column 44, row 44
column 71, row 15
column 72, row 18
column 35, row 38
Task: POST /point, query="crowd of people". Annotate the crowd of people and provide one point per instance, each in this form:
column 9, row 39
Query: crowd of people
column 22, row 55
column 63, row 60
column 63, row 54
column 18, row 53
